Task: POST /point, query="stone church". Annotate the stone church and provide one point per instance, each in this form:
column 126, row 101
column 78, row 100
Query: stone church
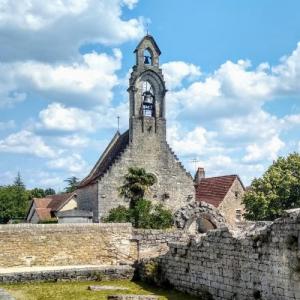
column 143, row 145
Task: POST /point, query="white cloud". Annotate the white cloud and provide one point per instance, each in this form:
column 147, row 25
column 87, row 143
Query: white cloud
column 59, row 117
column 236, row 89
column 256, row 126
column 34, row 15
column 264, row 151
column 74, row 141
column 176, row 71
column 87, row 82
column 53, row 30
column 71, row 163
column 292, row 120
column 195, row 142
column 25, row 142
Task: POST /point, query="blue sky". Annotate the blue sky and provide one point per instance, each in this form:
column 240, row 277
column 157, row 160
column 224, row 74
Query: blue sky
column 232, row 69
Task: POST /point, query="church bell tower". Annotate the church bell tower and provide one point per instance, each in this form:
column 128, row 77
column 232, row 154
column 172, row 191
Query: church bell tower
column 147, row 94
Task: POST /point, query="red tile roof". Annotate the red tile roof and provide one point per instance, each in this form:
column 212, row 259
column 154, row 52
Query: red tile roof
column 214, row 189
column 43, row 213
column 50, row 204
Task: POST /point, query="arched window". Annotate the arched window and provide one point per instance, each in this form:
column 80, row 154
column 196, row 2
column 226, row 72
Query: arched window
column 147, row 57
column 148, row 99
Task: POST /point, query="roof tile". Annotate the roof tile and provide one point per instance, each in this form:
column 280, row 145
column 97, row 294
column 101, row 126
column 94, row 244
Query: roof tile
column 214, row 189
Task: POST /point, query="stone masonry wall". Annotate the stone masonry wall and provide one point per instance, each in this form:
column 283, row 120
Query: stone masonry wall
column 81, row 244
column 66, row 244
column 232, row 202
column 174, row 187
column 261, row 263
column 152, row 243
column 87, row 197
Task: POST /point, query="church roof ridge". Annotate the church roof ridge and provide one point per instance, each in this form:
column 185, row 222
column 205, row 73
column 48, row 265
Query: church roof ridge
column 117, row 145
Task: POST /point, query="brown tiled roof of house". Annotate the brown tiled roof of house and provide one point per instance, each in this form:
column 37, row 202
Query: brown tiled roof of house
column 50, row 204
column 43, row 213
column 111, row 153
column 57, row 201
column 214, row 189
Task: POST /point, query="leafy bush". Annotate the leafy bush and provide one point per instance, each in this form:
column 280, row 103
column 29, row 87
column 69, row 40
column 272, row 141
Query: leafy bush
column 119, row 214
column 143, row 215
column 161, row 218
column 48, row 221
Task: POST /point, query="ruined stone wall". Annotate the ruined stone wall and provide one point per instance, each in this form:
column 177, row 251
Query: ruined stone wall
column 81, row 244
column 65, row 244
column 153, row 243
column 261, row 263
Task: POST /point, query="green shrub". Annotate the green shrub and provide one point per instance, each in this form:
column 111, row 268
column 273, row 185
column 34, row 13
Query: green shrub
column 48, row 221
column 161, row 218
column 143, row 215
column 119, row 214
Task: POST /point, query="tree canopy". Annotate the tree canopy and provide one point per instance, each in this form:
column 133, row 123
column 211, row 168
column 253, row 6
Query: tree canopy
column 14, row 200
column 72, row 184
column 277, row 190
column 136, row 182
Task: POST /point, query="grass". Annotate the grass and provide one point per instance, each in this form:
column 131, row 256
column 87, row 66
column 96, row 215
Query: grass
column 79, row 291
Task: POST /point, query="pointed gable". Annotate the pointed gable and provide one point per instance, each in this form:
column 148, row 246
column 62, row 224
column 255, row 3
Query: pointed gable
column 214, row 189
column 45, row 207
column 111, row 153
column 151, row 40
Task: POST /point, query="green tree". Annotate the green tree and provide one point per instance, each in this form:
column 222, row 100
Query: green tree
column 37, row 193
column 137, row 182
column 14, row 200
column 49, row 191
column 72, row 184
column 18, row 182
column 278, row 189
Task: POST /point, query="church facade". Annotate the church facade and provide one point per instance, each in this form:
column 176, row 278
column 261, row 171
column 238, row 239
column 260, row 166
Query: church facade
column 144, row 145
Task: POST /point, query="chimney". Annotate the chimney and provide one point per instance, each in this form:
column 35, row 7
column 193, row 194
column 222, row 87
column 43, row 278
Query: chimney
column 200, row 174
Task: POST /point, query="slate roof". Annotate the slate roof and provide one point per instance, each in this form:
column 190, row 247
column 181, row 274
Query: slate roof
column 111, row 153
column 50, row 204
column 214, row 189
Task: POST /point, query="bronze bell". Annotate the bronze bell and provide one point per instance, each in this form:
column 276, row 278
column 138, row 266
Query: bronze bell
column 147, row 60
column 148, row 98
